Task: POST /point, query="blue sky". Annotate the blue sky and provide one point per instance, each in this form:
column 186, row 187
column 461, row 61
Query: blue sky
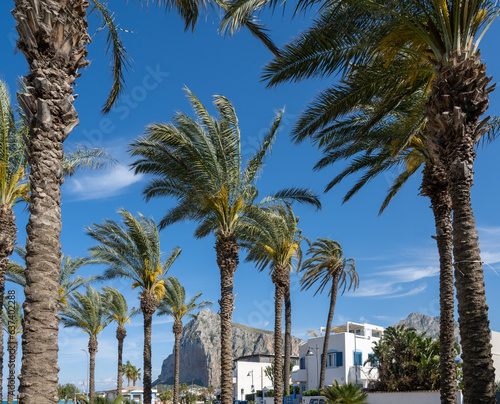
column 395, row 255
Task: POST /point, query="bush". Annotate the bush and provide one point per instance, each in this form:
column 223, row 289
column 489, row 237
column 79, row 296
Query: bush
column 313, row 392
column 345, row 394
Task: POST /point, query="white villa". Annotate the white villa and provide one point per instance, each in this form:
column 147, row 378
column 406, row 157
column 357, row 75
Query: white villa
column 131, row 392
column 495, row 350
column 349, row 347
column 249, row 374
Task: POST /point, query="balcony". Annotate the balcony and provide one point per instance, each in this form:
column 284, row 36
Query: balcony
column 299, row 376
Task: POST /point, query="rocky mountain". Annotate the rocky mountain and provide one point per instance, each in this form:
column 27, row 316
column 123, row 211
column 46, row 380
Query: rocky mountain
column 200, row 349
column 424, row 323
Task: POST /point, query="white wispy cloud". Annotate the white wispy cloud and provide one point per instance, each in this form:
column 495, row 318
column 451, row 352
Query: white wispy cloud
column 103, row 184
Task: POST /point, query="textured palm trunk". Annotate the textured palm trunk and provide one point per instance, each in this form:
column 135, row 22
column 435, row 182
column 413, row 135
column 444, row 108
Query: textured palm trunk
column 227, row 259
column 288, row 338
column 121, row 333
column 148, row 307
column 279, row 277
column 53, row 38
column 92, row 353
column 459, row 97
column 435, row 186
column 8, row 233
column 11, row 384
column 326, row 341
column 177, row 329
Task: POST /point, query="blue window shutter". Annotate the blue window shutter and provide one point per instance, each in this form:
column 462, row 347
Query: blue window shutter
column 339, row 358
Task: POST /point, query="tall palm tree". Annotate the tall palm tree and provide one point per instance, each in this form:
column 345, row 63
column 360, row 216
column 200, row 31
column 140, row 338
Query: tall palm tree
column 328, row 267
column 442, row 39
column 131, row 250
column 12, row 320
column 128, row 371
column 120, row 314
column 53, row 36
column 274, row 243
column 14, row 187
column 199, row 164
column 174, row 304
column 68, row 282
column 88, row 312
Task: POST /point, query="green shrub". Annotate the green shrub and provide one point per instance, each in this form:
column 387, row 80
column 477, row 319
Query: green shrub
column 345, row 394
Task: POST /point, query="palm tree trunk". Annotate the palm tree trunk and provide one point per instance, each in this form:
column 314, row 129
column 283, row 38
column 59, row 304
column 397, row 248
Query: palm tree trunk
column 177, row 329
column 435, row 186
column 326, row 341
column 459, row 97
column 279, row 280
column 148, row 307
column 53, row 38
column 8, row 233
column 121, row 333
column 92, row 353
column 11, row 384
column 227, row 259
column 288, row 338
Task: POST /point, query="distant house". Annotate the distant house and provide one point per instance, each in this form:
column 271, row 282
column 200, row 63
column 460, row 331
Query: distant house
column 348, row 349
column 131, row 392
column 249, row 374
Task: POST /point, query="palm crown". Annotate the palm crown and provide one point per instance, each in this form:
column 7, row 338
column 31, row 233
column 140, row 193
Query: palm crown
column 88, row 311
column 199, row 164
column 132, row 250
column 174, row 302
column 12, row 318
column 118, row 307
column 327, row 263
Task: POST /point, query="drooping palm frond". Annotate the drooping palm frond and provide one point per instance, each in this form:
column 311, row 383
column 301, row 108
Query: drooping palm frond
column 120, row 57
column 83, row 158
column 131, row 250
column 174, row 302
column 198, row 163
column 88, row 312
column 327, row 262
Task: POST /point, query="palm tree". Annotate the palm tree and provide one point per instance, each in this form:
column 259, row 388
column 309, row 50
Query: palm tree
column 131, row 250
column 68, row 282
column 135, row 374
column 12, row 320
column 88, row 312
column 274, row 243
column 331, row 270
column 128, row 371
column 435, row 39
column 345, row 394
column 120, row 314
column 174, row 304
column 199, row 164
column 53, row 36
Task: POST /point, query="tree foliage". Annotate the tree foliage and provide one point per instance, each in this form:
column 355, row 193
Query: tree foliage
column 406, row 361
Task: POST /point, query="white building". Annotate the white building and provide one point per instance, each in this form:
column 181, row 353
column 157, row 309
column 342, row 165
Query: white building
column 348, row 349
column 249, row 374
column 131, row 392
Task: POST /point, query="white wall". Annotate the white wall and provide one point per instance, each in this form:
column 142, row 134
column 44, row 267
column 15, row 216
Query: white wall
column 244, row 382
column 409, row 398
column 495, row 342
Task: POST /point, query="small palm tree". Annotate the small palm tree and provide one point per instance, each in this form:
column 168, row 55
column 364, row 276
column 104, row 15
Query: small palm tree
column 348, row 393
column 274, row 243
column 135, row 374
column 328, row 267
column 88, row 312
column 120, row 314
column 12, row 320
column 128, row 371
column 199, row 164
column 131, row 250
column 174, row 304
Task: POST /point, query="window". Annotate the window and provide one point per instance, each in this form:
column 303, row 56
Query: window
column 370, row 356
column 302, row 363
column 334, row 359
column 358, row 359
